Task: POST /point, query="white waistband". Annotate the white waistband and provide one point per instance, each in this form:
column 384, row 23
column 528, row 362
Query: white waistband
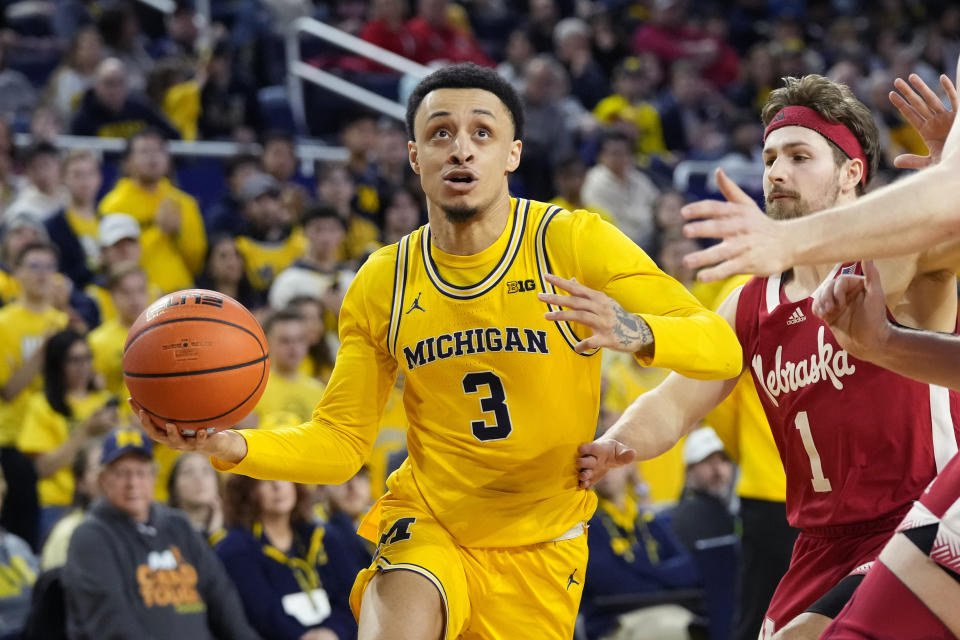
column 575, row 531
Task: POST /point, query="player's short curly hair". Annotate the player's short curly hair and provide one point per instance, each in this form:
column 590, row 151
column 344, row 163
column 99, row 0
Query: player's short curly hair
column 835, row 102
column 467, row 75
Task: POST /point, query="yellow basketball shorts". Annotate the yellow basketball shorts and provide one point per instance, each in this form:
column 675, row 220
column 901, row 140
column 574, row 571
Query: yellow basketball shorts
column 515, row 593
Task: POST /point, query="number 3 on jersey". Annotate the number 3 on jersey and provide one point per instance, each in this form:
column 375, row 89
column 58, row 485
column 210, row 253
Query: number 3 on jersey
column 495, row 403
column 820, row 483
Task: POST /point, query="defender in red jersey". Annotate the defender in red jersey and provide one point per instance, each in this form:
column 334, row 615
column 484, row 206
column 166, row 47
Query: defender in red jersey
column 858, row 443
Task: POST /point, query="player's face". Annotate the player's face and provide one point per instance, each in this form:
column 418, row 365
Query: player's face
column 463, row 151
column 800, row 173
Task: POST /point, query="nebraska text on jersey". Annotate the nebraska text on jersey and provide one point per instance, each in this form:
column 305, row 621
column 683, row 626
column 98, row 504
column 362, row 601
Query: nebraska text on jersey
column 471, row 341
column 789, row 376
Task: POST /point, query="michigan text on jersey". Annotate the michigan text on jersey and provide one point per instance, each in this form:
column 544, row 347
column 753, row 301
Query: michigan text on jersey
column 471, row 341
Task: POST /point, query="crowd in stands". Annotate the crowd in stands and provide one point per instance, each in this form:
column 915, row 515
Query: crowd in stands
column 629, row 106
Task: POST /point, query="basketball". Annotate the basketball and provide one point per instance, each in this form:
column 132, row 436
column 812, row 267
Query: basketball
column 197, row 359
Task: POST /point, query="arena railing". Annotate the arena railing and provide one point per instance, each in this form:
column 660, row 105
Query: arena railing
column 299, row 71
column 307, row 152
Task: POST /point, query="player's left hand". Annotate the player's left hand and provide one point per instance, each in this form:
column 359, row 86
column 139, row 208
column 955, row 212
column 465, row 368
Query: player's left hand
column 855, row 309
column 613, row 326
column 598, row 457
column 921, row 107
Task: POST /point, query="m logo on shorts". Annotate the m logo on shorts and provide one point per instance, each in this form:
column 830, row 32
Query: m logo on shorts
column 399, row 531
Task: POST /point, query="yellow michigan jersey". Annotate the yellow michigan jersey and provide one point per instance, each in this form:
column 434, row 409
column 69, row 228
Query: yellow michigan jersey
column 497, row 399
column 265, row 260
column 287, row 400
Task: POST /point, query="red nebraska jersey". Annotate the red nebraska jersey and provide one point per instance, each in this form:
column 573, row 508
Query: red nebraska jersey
column 940, row 504
column 858, row 442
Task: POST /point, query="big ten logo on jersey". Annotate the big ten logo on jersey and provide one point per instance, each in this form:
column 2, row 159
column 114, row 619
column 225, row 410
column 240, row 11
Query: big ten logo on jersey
column 519, row 286
column 166, row 579
column 175, row 300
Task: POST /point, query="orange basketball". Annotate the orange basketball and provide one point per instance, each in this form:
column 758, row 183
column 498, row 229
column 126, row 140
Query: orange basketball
column 197, row 359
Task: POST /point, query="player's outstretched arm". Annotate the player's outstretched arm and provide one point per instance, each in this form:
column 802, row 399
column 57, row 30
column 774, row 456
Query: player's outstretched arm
column 855, row 309
column 905, row 217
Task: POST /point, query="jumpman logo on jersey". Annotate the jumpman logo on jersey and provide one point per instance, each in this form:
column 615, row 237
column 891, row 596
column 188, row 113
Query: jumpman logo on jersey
column 571, row 580
column 416, row 304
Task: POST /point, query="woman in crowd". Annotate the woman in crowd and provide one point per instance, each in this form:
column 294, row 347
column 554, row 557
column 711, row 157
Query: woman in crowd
column 294, row 575
column 193, row 486
column 61, row 419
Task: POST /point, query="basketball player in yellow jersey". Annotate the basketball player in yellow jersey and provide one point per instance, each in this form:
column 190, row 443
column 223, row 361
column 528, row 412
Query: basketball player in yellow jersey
column 481, row 534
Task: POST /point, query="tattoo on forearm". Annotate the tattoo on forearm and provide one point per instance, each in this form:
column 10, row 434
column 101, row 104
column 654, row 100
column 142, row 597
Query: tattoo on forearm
column 632, row 331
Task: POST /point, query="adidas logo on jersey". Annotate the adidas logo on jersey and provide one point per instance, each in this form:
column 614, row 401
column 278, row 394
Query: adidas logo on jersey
column 796, row 316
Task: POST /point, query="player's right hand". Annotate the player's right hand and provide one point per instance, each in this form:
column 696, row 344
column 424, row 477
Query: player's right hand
column 855, row 309
column 921, row 107
column 598, row 457
column 227, row 445
column 751, row 242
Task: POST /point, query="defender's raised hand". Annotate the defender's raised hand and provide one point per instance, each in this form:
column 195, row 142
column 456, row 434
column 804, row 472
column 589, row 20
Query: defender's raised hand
column 751, row 242
column 613, row 327
column 855, row 309
column 921, row 107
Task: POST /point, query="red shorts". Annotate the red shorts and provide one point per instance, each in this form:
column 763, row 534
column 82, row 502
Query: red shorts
column 883, row 608
column 820, row 561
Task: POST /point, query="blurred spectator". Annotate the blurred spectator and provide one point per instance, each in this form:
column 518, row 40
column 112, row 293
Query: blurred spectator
column 704, row 508
column 542, row 18
column 44, row 124
column 290, row 396
column 85, row 470
column 173, row 92
column 670, row 37
column 271, row 240
column 346, row 504
column 401, row 215
column 74, row 228
column 666, row 211
column 75, row 75
column 136, row 568
column 630, row 106
column 108, row 110
column 294, row 575
column 386, row 29
column 436, row 37
column 10, row 183
column 181, row 34
column 609, row 44
column 43, row 194
column 123, row 40
column 147, row 194
column 616, row 185
column 549, row 132
column 897, row 136
column 25, row 324
column 743, row 161
column 632, row 550
column 225, row 216
column 588, row 83
column 568, row 178
column 684, row 107
column 323, row 343
column 225, row 272
column 280, row 161
column 61, row 419
column 519, row 53
column 16, row 234
column 126, row 283
column 121, row 242
column 319, row 269
column 193, row 486
column 19, row 567
column 17, row 95
column 229, row 106
column 335, row 187
column 393, row 157
column 359, row 137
